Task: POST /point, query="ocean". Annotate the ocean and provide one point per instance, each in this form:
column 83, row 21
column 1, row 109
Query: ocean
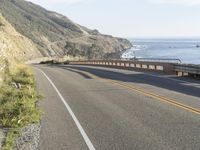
column 188, row 50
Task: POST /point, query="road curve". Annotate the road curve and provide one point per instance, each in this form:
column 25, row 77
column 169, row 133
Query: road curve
column 113, row 109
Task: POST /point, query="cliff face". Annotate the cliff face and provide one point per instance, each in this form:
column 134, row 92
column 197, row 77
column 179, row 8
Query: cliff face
column 56, row 35
column 14, row 45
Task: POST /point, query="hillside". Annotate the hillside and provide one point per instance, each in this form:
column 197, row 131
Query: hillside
column 14, row 45
column 55, row 34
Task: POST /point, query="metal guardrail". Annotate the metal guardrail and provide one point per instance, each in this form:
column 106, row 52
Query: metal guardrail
column 140, row 65
column 167, row 60
column 168, row 68
column 190, row 69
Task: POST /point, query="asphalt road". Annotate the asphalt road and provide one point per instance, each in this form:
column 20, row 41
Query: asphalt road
column 109, row 109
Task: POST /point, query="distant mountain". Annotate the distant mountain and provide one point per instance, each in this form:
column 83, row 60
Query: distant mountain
column 56, row 35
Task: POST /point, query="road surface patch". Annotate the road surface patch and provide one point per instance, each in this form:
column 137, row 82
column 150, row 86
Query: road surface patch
column 146, row 93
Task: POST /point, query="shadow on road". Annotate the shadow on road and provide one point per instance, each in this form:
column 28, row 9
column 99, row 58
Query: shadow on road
column 80, row 73
column 165, row 83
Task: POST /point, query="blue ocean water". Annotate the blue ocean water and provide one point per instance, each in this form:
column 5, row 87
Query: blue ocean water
column 188, row 50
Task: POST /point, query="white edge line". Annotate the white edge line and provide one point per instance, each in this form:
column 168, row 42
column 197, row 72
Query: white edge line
column 80, row 128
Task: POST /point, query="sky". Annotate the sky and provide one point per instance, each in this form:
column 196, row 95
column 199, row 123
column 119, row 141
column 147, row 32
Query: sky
column 132, row 18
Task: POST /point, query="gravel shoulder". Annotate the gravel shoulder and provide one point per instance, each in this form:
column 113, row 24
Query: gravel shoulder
column 2, row 136
column 28, row 138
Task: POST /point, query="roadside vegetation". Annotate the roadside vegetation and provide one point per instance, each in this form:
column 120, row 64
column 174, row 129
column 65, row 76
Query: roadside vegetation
column 18, row 98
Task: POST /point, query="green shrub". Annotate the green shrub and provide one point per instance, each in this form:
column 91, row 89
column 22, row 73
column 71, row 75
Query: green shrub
column 9, row 140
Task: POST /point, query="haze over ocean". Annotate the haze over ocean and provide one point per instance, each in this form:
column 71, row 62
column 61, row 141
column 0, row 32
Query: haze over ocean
column 188, row 50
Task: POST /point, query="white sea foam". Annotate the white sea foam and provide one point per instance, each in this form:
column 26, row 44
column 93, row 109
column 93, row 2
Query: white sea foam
column 186, row 50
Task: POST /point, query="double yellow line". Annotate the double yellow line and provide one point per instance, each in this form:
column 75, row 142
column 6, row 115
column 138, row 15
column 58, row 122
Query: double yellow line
column 146, row 93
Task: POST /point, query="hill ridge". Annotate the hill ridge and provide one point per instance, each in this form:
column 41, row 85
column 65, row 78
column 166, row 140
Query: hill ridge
column 56, row 35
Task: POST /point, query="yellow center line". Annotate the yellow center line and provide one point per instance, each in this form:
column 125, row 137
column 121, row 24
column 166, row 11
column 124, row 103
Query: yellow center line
column 146, row 93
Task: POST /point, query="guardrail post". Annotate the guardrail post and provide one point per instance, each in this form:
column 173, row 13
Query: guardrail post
column 132, row 65
column 180, row 74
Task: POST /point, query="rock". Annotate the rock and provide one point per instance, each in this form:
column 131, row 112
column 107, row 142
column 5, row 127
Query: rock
column 14, row 45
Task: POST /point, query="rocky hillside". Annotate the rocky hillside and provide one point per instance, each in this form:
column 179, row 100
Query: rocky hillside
column 55, row 34
column 14, row 45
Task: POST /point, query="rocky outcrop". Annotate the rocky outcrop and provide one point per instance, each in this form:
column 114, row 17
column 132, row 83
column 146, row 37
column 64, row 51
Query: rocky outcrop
column 14, row 45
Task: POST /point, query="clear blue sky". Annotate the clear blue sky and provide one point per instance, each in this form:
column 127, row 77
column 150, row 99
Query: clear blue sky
column 133, row 18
